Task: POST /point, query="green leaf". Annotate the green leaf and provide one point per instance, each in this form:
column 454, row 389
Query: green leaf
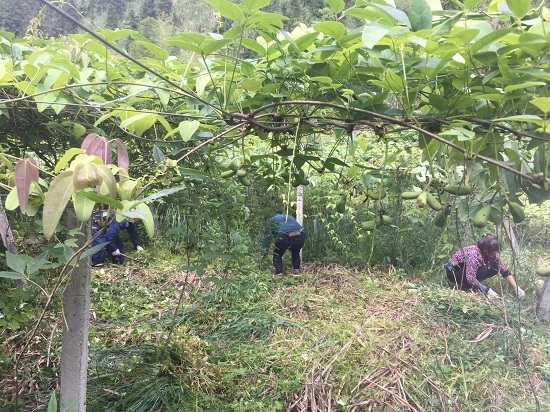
column 228, row 10
column 543, row 103
column 520, row 8
column 153, row 48
column 137, row 122
column 254, row 46
column 109, row 179
column 12, row 200
column 15, row 262
column 524, row 85
column 60, row 191
column 489, row 39
column 331, row 28
column 158, row 155
column 52, row 404
column 69, row 154
column 522, row 118
column 420, row 15
column 36, row 264
column 103, row 200
column 83, row 206
column 188, row 128
column 336, row 5
column 470, row 4
column 149, row 221
column 160, row 194
column 373, row 33
column 12, row 275
column 256, row 4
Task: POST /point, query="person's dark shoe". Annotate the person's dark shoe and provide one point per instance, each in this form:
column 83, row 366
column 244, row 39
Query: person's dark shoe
column 296, row 272
column 279, row 275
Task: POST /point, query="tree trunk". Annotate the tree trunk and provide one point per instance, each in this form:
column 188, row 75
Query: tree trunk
column 74, row 352
column 7, row 238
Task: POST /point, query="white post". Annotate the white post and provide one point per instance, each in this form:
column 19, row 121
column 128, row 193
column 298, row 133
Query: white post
column 76, row 326
column 300, row 209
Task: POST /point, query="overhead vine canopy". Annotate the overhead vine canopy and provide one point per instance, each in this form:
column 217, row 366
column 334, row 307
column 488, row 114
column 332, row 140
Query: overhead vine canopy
column 470, row 87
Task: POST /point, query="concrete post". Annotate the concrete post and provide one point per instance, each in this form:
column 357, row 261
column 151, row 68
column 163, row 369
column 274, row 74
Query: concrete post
column 543, row 307
column 74, row 352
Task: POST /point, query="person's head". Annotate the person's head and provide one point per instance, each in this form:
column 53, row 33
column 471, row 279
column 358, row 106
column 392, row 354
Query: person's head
column 489, row 245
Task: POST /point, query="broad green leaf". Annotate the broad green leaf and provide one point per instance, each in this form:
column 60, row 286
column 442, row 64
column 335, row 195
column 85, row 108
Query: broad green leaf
column 109, row 179
column 543, row 103
column 128, row 189
column 149, row 221
column 162, row 193
column 256, row 4
column 525, row 85
column 153, row 48
column 60, row 191
column 11, row 275
column 213, row 46
column 188, row 128
column 447, row 25
column 420, row 15
column 306, row 40
column 37, row 263
column 137, row 122
column 398, row 15
column 158, row 155
column 12, row 200
column 331, row 28
column 489, row 39
column 254, row 46
column 394, row 81
column 228, row 10
column 336, row 5
column 520, row 8
column 83, row 206
column 15, row 262
column 101, row 199
column 522, row 118
column 69, row 154
column 373, row 33
column 470, row 4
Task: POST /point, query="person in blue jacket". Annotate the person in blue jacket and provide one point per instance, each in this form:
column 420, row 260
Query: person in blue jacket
column 286, row 233
column 105, row 229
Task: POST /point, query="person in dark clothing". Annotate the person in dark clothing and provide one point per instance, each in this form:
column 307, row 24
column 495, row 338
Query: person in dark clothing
column 471, row 265
column 132, row 230
column 286, row 233
column 106, row 228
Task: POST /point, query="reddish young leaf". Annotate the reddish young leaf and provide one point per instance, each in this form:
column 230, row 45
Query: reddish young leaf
column 123, row 158
column 99, row 146
column 26, row 172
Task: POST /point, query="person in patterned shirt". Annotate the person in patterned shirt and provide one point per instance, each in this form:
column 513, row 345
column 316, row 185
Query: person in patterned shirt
column 471, row 265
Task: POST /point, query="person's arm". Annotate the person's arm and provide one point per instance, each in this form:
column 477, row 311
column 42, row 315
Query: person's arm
column 472, row 265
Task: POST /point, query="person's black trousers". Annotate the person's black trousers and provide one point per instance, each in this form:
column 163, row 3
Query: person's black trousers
column 282, row 244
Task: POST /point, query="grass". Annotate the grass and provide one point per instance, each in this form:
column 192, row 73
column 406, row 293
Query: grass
column 334, row 338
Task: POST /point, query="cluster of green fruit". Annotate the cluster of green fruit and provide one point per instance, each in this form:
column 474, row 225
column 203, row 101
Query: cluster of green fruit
column 298, row 179
column 242, row 175
column 377, row 222
column 424, row 198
